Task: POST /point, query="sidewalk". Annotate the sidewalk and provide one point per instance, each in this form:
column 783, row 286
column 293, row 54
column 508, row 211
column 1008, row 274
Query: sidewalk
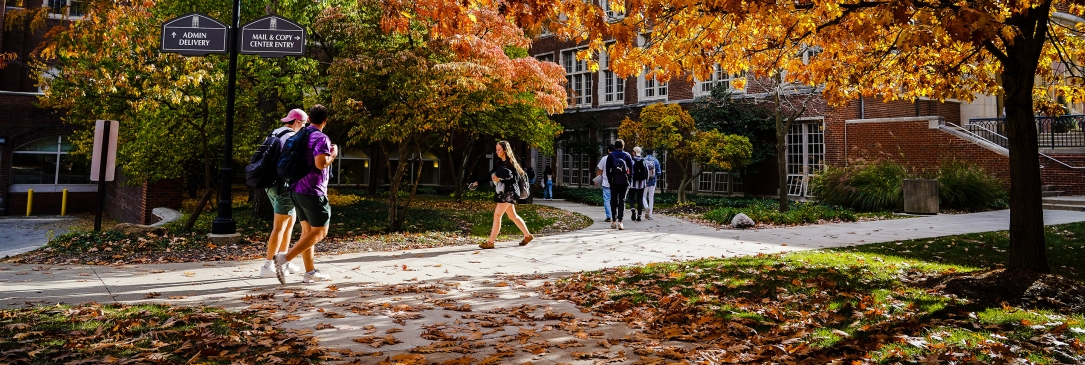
column 463, row 292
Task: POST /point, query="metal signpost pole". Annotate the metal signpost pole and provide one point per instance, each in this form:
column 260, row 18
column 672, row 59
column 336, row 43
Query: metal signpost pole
column 102, row 174
column 224, row 223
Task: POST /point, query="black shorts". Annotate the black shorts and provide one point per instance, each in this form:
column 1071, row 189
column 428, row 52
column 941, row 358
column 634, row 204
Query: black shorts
column 313, row 209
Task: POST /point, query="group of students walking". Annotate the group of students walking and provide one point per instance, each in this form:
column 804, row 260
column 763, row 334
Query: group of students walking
column 627, row 177
column 303, row 198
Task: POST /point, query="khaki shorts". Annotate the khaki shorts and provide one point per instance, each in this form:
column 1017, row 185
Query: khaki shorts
column 313, row 209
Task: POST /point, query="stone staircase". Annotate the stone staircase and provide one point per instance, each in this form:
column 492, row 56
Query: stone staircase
column 1074, row 203
column 1049, row 191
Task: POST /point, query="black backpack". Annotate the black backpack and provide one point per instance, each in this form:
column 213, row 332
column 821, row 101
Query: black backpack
column 525, row 186
column 616, row 170
column 261, row 170
column 640, row 170
column 293, row 161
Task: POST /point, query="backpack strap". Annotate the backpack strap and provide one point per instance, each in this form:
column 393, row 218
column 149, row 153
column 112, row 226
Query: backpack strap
column 283, row 133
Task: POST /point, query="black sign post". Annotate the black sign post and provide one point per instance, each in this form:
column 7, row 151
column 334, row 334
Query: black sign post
column 197, row 34
column 194, row 34
column 272, row 36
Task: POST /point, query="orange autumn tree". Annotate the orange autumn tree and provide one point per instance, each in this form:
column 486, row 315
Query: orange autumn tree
column 408, row 89
column 888, row 49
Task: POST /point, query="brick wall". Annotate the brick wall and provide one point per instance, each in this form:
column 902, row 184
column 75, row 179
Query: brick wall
column 1069, row 181
column 49, row 203
column 164, row 193
column 126, row 203
column 914, row 145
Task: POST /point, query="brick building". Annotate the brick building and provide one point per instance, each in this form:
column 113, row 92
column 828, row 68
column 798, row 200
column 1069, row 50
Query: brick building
column 34, row 152
column 920, row 134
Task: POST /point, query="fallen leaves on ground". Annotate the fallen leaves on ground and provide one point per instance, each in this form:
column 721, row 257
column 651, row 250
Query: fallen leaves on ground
column 149, row 334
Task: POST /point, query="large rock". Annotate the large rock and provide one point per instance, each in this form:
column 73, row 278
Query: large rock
column 139, row 229
column 742, row 221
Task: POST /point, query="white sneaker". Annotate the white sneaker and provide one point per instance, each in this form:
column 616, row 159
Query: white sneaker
column 267, row 270
column 621, row 226
column 613, row 225
column 293, row 269
column 315, row 276
column 280, row 267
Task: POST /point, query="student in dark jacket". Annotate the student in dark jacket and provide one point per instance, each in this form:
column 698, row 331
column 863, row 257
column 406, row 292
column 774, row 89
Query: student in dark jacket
column 505, row 175
column 619, row 171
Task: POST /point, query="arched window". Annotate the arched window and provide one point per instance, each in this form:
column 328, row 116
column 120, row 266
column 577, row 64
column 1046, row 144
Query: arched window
column 351, row 168
column 46, row 162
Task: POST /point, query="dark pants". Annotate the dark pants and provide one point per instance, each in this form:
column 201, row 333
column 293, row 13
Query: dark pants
column 617, row 201
column 636, row 197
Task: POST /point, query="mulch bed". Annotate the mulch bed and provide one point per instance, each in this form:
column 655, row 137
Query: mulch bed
column 1014, row 288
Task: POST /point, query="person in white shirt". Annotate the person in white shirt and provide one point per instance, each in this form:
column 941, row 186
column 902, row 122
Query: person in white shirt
column 600, row 169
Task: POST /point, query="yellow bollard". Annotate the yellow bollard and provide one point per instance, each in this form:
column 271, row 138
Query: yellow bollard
column 63, row 202
column 29, row 200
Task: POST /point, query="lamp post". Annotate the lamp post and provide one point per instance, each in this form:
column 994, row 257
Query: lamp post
column 224, row 224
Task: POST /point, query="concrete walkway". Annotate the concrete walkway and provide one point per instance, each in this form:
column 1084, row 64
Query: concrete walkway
column 411, row 295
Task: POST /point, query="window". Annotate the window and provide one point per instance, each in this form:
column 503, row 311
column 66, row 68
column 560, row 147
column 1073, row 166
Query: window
column 431, row 173
column 719, row 77
column 545, row 57
column 613, row 86
column 653, row 89
column 66, row 8
column 577, row 169
column 805, row 155
column 808, row 54
column 611, row 11
column 351, row 168
column 46, row 162
column 719, row 182
column 578, row 77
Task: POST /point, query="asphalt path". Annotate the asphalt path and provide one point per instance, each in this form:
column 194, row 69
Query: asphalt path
column 18, row 235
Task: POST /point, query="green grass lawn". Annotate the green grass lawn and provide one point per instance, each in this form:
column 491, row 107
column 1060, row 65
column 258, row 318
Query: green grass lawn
column 841, row 305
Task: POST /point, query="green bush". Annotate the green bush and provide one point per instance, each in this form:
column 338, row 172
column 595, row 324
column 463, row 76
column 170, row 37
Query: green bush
column 766, row 211
column 966, row 186
column 582, row 195
column 865, row 188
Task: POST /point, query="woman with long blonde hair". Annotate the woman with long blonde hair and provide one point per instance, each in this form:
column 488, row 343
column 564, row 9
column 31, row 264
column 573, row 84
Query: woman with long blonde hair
column 505, row 175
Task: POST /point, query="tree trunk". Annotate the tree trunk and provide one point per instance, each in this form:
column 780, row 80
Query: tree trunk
column 461, row 171
column 1027, row 245
column 781, row 158
column 191, row 222
column 394, row 224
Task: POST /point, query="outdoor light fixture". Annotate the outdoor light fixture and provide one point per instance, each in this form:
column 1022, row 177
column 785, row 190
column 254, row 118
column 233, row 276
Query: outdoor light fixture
column 434, row 164
column 366, row 164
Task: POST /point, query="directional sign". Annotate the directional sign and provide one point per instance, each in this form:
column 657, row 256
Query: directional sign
column 194, row 34
column 272, row 36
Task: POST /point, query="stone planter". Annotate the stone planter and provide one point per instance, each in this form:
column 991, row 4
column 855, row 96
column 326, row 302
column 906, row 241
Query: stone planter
column 921, row 196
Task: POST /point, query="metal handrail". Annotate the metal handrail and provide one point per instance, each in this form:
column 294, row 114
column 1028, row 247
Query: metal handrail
column 1051, row 132
column 965, row 130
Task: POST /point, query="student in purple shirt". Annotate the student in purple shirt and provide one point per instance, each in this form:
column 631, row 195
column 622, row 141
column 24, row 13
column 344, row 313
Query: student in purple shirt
column 310, row 195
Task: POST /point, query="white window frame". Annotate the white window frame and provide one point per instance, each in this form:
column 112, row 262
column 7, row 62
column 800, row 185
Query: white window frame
column 805, row 154
column 65, row 10
column 611, row 86
column 579, row 78
column 719, row 182
column 612, row 16
column 651, row 89
column 56, row 186
column 704, row 88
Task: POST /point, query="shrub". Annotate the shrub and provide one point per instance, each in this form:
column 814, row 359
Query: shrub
column 966, row 186
column 583, row 195
column 865, row 188
column 766, row 211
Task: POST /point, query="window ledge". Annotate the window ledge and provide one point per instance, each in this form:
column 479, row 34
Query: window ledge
column 51, row 188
